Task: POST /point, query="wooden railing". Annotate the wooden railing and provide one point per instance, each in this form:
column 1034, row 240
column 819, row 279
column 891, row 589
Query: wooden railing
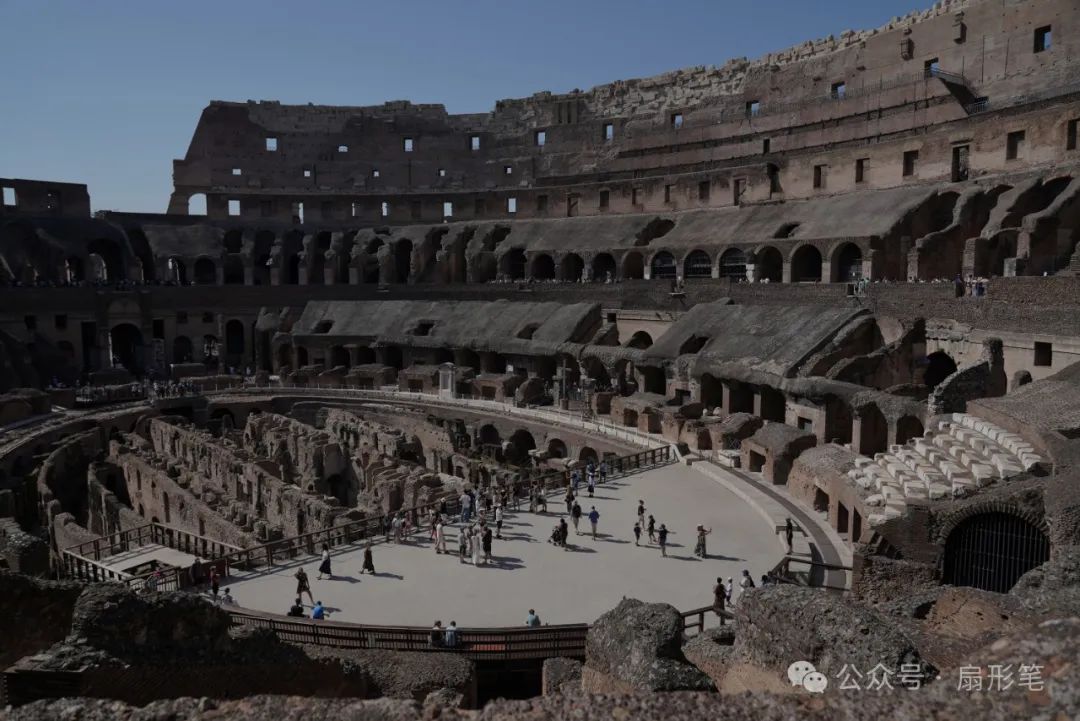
column 488, row 644
column 695, row 619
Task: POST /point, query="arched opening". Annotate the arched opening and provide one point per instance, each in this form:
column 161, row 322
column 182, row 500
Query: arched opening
column 806, row 265
column 603, row 267
column 292, row 269
column 873, row 431
column 517, row 450
column 992, row 550
column 587, row 455
column 662, row 265
column 698, row 264
column 392, row 357
column 260, row 273
column 234, row 270
column 693, row 344
column 633, row 266
column 939, row 366
column 126, row 347
column 339, row 356
column 907, row 428
column 205, row 272
column 302, row 359
column 283, row 356
column 111, row 256
column 403, row 260
column 365, row 355
column 640, row 340
column 74, row 270
column 654, row 379
column 196, row 204
column 556, row 448
column 489, row 435
column 543, row 267
column 339, row 488
column 512, row 264
column 769, row 265
column 712, row 391
column 571, row 267
column 99, row 272
column 182, row 349
column 733, row 264
column 176, row 272
column 467, row 358
column 847, row 264
column 211, row 351
column 234, row 339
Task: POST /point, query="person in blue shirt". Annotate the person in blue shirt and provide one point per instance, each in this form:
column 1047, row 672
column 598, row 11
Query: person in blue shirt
column 594, row 518
column 451, row 635
column 532, row 620
column 318, row 613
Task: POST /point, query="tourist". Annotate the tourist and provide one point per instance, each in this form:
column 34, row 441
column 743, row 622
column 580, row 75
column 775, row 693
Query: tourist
column 486, row 541
column 388, row 526
column 474, row 545
column 729, row 589
column 324, row 567
column 227, row 599
column 152, row 581
column 436, row 638
column 498, row 521
column 450, row 638
column 297, row 609
column 466, row 505
column 746, row 582
column 569, row 501
column 303, row 585
column 699, row 548
column 594, row 518
column 575, row 479
column 215, row 581
column 532, row 620
column 564, row 533
column 319, row 612
column 789, row 534
column 195, row 572
column 369, row 562
column 662, row 535
column 652, row 529
column 541, row 501
column 719, row 600
column 637, row 533
column 396, row 526
column 575, row 516
column 591, row 481
column 440, row 537
column 463, row 544
column 641, row 513
column 603, row 471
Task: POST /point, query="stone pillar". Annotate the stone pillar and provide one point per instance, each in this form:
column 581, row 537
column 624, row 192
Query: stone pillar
column 758, row 410
column 249, row 271
column 275, row 275
column 786, row 273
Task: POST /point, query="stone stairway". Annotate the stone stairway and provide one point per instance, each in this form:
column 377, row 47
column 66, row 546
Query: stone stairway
column 964, row 453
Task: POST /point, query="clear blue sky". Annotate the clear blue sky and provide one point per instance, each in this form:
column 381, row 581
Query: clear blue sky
column 107, row 93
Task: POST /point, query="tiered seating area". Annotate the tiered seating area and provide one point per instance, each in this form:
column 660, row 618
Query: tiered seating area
column 963, row 454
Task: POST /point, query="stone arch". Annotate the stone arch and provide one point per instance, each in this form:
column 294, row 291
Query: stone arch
column 908, row 427
column 769, row 264
column 732, row 264
column 640, row 340
column 873, row 431
column 846, row 263
column 182, row 349
column 603, row 267
column 205, row 271
column 939, row 366
column 697, row 264
column 712, row 391
column 662, row 265
column 556, row 448
column 126, row 347
column 403, row 260
column 588, row 454
column 543, row 267
column 176, row 271
column 518, row 446
column 512, row 264
column 112, row 257
column 991, row 545
column 633, row 266
column 806, row 264
column 196, row 204
column 571, row 267
column 234, row 338
column 489, row 435
column 74, row 270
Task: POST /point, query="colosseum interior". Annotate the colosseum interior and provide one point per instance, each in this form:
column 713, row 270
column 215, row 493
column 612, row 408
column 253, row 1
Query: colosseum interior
column 823, row 303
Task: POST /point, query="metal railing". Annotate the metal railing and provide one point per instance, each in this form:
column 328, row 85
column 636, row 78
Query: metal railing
column 782, row 572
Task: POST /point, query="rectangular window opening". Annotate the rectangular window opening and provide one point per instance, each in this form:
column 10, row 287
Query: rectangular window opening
column 511, row 205
column 766, row 146
column 838, row 90
column 508, row 170
column 1044, row 354
column 1014, row 145
column 448, row 209
column 753, row 107
column 307, row 172
column 408, row 145
column 234, row 208
column 911, row 160
column 605, row 199
column 9, row 196
column 1043, row 39
column 609, row 132
column 541, row 138
column 442, row 172
column 635, row 196
column 931, row 67
column 343, row 148
column 354, row 209
column 474, row 142
column 667, row 193
column 703, row 190
column 384, row 209
column 860, row 170
column 571, row 205
column 374, row 172
column 1070, row 134
column 820, row 173
column 237, row 171
column 271, row 145
column 676, row 120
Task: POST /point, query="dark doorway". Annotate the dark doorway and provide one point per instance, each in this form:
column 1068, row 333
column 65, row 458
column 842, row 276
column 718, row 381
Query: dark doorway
column 992, row 551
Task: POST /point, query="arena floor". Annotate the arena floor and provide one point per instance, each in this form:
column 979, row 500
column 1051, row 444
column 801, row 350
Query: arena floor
column 415, row 586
